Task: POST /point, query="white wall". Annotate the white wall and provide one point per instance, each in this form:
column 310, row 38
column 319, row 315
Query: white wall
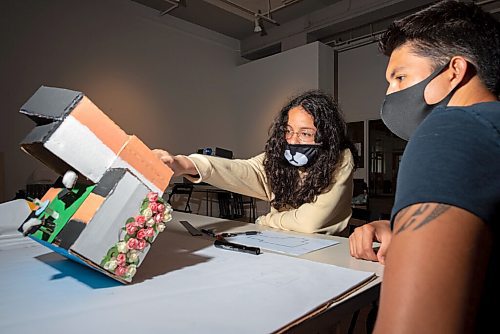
column 362, row 86
column 265, row 85
column 162, row 79
column 173, row 84
column 362, row 82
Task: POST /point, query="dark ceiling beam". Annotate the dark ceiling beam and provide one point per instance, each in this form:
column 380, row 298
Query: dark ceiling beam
column 341, row 16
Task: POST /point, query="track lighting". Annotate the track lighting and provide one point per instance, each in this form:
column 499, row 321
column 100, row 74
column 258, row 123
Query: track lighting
column 258, row 27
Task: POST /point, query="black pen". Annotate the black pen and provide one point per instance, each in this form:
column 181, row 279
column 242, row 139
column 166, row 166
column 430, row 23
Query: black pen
column 236, row 247
column 228, row 235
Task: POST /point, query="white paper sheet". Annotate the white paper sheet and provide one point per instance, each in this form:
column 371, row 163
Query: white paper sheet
column 283, row 243
column 184, row 289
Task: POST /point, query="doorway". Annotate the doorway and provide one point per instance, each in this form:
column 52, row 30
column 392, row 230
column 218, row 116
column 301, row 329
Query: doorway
column 384, row 157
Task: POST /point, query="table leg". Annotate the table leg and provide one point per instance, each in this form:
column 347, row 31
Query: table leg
column 206, row 197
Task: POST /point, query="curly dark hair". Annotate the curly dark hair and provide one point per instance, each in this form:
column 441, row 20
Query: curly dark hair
column 450, row 28
column 286, row 184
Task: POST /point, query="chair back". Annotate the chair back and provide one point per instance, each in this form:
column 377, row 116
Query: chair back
column 230, row 205
column 181, row 189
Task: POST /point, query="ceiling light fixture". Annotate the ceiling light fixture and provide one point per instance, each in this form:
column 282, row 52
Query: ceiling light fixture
column 259, row 23
column 258, row 27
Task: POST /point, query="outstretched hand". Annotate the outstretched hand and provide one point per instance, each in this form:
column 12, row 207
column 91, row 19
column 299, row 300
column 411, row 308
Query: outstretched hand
column 361, row 240
column 179, row 164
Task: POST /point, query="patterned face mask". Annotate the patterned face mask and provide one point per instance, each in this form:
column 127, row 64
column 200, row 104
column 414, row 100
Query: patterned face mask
column 300, row 155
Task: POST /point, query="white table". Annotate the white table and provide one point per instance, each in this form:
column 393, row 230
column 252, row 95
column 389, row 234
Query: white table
column 44, row 292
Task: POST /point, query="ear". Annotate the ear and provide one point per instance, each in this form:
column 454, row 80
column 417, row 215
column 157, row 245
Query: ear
column 457, row 70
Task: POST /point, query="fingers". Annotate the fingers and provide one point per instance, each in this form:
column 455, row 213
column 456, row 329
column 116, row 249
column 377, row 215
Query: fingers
column 361, row 243
column 382, row 252
column 179, row 164
column 164, row 156
column 384, row 234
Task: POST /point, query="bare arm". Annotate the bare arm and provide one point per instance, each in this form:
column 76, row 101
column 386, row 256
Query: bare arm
column 434, row 270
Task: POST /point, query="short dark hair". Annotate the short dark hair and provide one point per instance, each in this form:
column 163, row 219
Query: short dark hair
column 447, row 29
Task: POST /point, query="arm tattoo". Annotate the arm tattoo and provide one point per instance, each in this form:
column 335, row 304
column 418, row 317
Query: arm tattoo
column 411, row 220
column 420, row 212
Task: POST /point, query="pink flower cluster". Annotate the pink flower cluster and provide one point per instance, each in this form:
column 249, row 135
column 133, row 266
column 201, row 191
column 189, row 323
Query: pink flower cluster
column 123, row 258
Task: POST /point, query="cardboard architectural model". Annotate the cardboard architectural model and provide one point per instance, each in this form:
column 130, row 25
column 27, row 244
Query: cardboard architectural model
column 108, row 209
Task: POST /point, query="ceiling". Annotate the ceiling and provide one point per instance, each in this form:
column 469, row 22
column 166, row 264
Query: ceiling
column 236, row 18
column 289, row 23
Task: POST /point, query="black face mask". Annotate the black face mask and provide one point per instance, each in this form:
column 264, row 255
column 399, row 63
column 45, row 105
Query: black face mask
column 403, row 111
column 300, row 155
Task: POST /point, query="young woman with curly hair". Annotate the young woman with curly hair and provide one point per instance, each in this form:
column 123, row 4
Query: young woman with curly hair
column 305, row 172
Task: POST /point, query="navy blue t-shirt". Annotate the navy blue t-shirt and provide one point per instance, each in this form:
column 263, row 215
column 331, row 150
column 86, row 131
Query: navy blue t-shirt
column 454, row 158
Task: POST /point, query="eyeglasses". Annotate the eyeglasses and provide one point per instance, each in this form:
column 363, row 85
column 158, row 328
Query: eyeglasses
column 304, row 135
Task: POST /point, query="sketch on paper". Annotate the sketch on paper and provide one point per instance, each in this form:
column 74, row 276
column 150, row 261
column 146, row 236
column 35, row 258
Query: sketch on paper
column 283, row 243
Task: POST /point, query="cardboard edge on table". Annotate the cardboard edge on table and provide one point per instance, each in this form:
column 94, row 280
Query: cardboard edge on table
column 323, row 307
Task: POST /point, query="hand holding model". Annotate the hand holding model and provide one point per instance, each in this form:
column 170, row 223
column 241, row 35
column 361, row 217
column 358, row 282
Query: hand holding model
column 181, row 165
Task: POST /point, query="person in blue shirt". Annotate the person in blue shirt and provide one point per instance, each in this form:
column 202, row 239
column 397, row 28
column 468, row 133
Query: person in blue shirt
column 440, row 248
